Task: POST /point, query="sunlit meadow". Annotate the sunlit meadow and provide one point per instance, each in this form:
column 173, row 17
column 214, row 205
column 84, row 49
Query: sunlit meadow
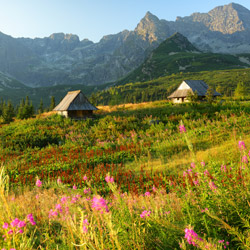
column 154, row 177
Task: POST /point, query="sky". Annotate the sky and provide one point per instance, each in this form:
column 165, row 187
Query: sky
column 92, row 19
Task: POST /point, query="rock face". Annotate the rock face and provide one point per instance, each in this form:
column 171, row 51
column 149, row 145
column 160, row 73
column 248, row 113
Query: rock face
column 64, row 59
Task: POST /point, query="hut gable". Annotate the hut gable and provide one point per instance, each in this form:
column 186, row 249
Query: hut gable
column 190, row 86
column 75, row 104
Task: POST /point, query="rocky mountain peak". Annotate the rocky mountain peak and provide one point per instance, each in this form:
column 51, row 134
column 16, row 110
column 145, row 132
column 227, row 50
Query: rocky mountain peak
column 229, row 19
column 151, row 29
column 62, row 37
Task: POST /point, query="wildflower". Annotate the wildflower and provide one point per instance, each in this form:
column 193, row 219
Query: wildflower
column 59, row 181
column 192, row 165
column 74, row 187
column 21, row 224
column 204, row 210
column 244, row 159
column 10, row 232
column 154, row 189
column 145, row 213
column 203, row 164
column 167, row 212
column 5, row 225
column 206, row 172
column 196, row 182
column 212, row 185
column 182, row 129
column 223, row 168
column 52, row 213
column 15, row 222
column 64, row 199
column 20, row 231
column 98, row 203
column 147, row 194
column 86, row 191
column 242, row 145
column 59, row 207
column 31, row 219
column 38, row 183
column 85, row 178
column 109, row 179
column 221, row 241
column 184, row 174
column 191, row 236
column 84, row 227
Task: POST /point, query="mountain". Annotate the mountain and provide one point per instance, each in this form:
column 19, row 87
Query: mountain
column 64, row 59
column 177, row 54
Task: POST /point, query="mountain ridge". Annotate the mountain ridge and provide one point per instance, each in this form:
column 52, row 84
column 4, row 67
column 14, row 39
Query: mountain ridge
column 65, row 59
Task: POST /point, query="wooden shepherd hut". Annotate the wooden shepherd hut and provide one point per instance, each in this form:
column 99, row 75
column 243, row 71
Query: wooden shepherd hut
column 75, row 105
column 188, row 87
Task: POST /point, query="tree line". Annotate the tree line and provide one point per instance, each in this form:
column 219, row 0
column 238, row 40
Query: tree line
column 22, row 111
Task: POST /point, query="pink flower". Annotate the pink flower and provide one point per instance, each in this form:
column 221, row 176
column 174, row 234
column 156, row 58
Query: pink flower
column 38, row 183
column 21, row 224
column 84, row 227
column 182, row 129
column 85, row 178
column 52, row 213
column 196, row 182
column 167, row 212
column 20, row 231
column 15, row 222
column 31, row 219
column 204, row 210
column 59, row 207
column 86, row 191
column 147, row 194
column 59, row 181
column 242, row 145
column 98, row 203
column 10, row 232
column 192, row 165
column 191, row 236
column 154, row 189
column 145, row 213
column 212, row 186
column 203, row 164
column 5, row 225
column 223, row 168
column 74, row 187
column 244, row 159
column 64, row 199
column 109, row 179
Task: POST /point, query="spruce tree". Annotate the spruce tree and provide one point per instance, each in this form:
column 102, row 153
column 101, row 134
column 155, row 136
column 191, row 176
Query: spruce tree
column 52, row 103
column 40, row 109
column 8, row 113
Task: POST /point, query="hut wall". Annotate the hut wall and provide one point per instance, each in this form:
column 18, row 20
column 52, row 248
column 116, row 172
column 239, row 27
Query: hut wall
column 79, row 113
column 63, row 113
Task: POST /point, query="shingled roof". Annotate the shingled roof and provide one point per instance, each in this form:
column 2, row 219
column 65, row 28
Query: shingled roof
column 75, row 100
column 195, row 86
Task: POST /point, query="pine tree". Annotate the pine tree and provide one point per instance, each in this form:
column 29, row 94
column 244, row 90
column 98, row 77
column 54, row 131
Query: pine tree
column 40, row 109
column 8, row 112
column 20, row 109
column 52, row 103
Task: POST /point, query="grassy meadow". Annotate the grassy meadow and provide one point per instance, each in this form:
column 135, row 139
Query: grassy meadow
column 138, row 176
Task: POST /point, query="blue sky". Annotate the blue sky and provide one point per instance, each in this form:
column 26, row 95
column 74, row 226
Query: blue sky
column 91, row 19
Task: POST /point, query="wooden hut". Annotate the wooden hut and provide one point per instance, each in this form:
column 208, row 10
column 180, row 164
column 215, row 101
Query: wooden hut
column 75, row 105
column 188, row 87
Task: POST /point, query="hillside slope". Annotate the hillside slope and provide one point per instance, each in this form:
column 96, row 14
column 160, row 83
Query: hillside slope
column 177, row 54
